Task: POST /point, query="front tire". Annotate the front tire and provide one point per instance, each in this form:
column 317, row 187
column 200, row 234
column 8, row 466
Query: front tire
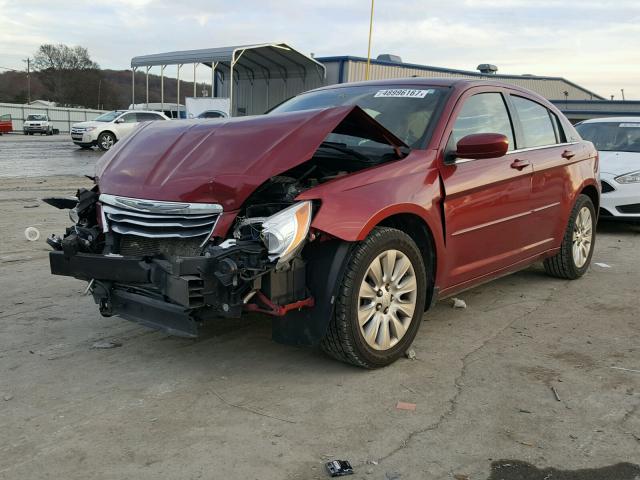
column 380, row 302
column 106, row 140
column 574, row 257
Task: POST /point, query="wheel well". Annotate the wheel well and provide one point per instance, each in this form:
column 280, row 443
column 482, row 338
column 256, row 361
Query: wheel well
column 108, row 131
column 420, row 233
column 592, row 193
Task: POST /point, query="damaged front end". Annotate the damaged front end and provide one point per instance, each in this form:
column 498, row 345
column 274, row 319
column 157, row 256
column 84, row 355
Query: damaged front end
column 241, row 242
column 152, row 261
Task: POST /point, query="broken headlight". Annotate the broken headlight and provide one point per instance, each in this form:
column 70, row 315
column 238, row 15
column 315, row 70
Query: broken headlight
column 285, row 232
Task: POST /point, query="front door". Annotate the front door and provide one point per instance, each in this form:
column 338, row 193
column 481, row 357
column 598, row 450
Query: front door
column 486, row 204
column 125, row 125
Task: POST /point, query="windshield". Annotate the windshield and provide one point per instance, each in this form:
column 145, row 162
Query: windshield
column 406, row 112
column 109, row 116
column 612, row 136
column 37, row 117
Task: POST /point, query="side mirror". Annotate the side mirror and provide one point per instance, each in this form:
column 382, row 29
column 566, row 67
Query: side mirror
column 120, row 120
column 482, row 145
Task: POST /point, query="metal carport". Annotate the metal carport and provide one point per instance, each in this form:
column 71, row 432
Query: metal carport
column 263, row 75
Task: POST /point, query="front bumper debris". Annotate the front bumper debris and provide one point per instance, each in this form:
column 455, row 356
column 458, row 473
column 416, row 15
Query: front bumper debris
column 176, row 294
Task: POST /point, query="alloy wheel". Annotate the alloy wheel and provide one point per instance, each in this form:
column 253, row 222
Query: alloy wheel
column 107, row 142
column 582, row 237
column 387, row 299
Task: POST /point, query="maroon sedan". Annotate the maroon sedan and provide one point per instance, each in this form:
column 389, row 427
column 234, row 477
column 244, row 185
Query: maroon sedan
column 344, row 213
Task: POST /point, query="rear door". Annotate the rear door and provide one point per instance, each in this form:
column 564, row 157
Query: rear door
column 543, row 142
column 486, row 205
column 125, row 124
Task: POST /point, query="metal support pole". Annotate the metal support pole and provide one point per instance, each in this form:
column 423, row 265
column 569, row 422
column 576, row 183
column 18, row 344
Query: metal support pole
column 162, row 87
column 231, row 85
column 195, row 91
column 213, row 77
column 148, row 87
column 133, row 87
column 178, row 94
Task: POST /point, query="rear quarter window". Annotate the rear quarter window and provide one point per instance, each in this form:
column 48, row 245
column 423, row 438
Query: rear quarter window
column 538, row 129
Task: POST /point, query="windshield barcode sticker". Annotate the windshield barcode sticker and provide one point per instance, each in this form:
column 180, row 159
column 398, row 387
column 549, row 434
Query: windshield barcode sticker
column 629, row 125
column 403, row 93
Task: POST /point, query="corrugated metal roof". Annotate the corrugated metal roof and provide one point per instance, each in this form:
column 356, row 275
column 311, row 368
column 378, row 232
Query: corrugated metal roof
column 549, row 87
column 259, row 61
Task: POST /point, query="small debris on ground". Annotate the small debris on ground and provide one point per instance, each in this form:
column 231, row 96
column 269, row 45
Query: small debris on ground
column 458, row 303
column 406, row 406
column 602, row 265
column 31, row 205
column 459, row 476
column 339, row 468
column 392, row 475
column 105, row 344
column 522, row 410
column 410, row 354
column 372, row 462
column 555, row 393
column 6, row 398
column 32, row 234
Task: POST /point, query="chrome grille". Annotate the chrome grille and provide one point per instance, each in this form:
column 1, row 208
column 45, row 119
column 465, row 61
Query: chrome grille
column 158, row 219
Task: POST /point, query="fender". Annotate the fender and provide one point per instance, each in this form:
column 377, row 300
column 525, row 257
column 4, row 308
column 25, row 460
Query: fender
column 351, row 207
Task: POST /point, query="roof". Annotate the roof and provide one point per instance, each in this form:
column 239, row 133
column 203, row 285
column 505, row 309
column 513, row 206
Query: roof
column 266, row 60
column 612, row 120
column 433, row 82
column 454, row 71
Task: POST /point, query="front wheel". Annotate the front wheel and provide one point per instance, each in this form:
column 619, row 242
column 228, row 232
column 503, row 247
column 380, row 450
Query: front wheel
column 380, row 302
column 106, row 141
column 574, row 257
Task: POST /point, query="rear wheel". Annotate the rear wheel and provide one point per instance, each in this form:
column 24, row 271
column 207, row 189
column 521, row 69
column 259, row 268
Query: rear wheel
column 106, row 140
column 380, row 303
column 574, row 257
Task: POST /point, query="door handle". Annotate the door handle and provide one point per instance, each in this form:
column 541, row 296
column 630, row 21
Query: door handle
column 568, row 154
column 519, row 164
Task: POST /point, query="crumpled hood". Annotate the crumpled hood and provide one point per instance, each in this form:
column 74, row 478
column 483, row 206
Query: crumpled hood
column 224, row 161
column 619, row 163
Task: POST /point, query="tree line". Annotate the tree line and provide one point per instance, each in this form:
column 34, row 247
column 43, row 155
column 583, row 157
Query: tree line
column 68, row 76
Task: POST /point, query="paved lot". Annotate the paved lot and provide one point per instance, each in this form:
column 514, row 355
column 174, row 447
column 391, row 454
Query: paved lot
column 233, row 404
column 38, row 156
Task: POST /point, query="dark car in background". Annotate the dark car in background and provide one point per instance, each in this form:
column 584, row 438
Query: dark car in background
column 344, row 213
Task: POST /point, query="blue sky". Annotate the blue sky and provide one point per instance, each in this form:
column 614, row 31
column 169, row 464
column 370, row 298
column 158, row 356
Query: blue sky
column 593, row 43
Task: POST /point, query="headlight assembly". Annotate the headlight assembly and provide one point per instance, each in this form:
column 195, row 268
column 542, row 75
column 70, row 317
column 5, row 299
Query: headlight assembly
column 285, row 232
column 632, row 177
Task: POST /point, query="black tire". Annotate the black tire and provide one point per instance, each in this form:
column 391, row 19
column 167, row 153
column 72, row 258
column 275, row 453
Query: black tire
column 102, row 141
column 344, row 340
column 563, row 264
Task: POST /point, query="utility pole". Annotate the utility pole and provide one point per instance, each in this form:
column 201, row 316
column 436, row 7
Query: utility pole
column 622, row 91
column 99, row 88
column 366, row 75
column 28, row 60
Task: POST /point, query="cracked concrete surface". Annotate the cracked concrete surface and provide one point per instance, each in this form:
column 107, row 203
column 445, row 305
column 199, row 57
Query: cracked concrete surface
column 233, row 404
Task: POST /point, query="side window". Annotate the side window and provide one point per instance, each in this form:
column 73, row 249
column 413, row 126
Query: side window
column 482, row 113
column 537, row 127
column 129, row 118
column 148, row 117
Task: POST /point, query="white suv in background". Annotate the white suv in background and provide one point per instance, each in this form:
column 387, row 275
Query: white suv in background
column 110, row 127
column 37, row 123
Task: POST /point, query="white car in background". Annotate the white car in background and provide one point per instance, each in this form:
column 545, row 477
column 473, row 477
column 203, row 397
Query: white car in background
column 110, row 127
column 37, row 123
column 617, row 139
